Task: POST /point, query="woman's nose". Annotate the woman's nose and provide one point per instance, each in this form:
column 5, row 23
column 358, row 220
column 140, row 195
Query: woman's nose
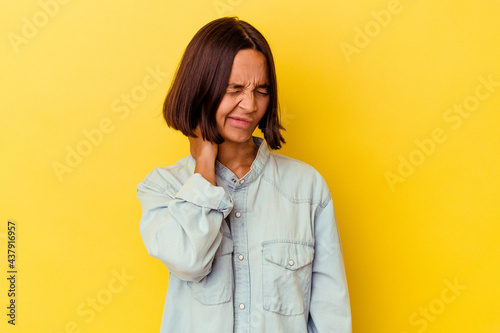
column 248, row 101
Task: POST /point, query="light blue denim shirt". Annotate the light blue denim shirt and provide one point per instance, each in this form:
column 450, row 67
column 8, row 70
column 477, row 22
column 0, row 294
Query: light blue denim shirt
column 256, row 254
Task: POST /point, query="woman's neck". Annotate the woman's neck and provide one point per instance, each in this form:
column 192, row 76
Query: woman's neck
column 237, row 157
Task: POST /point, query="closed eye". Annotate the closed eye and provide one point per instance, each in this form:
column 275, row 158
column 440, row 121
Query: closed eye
column 263, row 90
column 234, row 89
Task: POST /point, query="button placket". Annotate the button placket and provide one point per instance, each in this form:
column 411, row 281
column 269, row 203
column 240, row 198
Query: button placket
column 240, row 261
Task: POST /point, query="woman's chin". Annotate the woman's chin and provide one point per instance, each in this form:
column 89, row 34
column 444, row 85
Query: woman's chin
column 237, row 139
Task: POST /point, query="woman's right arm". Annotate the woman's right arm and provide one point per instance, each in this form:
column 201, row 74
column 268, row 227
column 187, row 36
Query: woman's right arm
column 183, row 228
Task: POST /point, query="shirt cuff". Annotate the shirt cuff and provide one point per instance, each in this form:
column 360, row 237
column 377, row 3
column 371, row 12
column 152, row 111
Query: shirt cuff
column 201, row 192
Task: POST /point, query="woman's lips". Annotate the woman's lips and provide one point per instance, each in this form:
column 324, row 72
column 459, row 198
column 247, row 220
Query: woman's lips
column 239, row 122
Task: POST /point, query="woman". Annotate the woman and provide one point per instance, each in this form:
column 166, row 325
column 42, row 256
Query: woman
column 249, row 236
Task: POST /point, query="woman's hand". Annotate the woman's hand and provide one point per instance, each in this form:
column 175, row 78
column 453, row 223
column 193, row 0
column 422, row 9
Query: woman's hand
column 205, row 154
column 202, row 148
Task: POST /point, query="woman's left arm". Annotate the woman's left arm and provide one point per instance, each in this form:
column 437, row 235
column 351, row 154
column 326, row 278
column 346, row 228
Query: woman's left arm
column 330, row 310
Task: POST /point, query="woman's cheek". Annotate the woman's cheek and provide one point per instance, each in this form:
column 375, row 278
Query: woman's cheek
column 263, row 105
column 228, row 104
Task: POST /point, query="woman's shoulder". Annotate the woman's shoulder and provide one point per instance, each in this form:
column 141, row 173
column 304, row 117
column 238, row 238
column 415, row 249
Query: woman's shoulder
column 291, row 165
column 169, row 177
column 297, row 177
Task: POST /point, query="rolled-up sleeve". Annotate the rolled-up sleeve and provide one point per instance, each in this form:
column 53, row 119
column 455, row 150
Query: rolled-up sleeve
column 330, row 310
column 182, row 227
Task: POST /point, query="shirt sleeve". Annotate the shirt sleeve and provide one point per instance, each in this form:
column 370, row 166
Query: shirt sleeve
column 330, row 310
column 183, row 228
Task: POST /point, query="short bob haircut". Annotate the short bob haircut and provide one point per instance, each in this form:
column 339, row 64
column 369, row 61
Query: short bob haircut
column 202, row 79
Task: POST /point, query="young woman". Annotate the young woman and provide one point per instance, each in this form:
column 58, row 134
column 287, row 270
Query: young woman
column 249, row 236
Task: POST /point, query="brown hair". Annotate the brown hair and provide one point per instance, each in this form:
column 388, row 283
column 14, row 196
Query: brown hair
column 203, row 74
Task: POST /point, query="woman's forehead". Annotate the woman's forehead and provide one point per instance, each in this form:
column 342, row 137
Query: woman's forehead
column 249, row 67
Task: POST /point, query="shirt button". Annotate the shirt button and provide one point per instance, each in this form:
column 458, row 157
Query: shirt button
column 290, row 262
column 242, row 181
column 241, row 257
column 242, row 306
column 238, row 214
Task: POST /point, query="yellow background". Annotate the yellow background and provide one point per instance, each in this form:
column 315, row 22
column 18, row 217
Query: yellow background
column 352, row 115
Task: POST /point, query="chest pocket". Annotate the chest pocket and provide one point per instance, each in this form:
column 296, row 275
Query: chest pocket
column 217, row 286
column 286, row 280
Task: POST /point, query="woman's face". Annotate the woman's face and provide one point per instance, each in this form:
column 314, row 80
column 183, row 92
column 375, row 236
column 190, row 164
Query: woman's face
column 246, row 99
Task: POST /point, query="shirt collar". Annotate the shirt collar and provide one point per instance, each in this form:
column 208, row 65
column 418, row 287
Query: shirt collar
column 255, row 170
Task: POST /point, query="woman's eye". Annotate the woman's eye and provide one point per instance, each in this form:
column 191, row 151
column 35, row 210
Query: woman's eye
column 262, row 92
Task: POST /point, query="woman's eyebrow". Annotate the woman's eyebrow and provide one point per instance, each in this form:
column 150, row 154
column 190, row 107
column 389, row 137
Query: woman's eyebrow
column 241, row 85
column 235, row 85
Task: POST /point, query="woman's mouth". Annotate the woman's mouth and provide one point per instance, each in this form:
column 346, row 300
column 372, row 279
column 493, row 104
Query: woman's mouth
column 238, row 122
